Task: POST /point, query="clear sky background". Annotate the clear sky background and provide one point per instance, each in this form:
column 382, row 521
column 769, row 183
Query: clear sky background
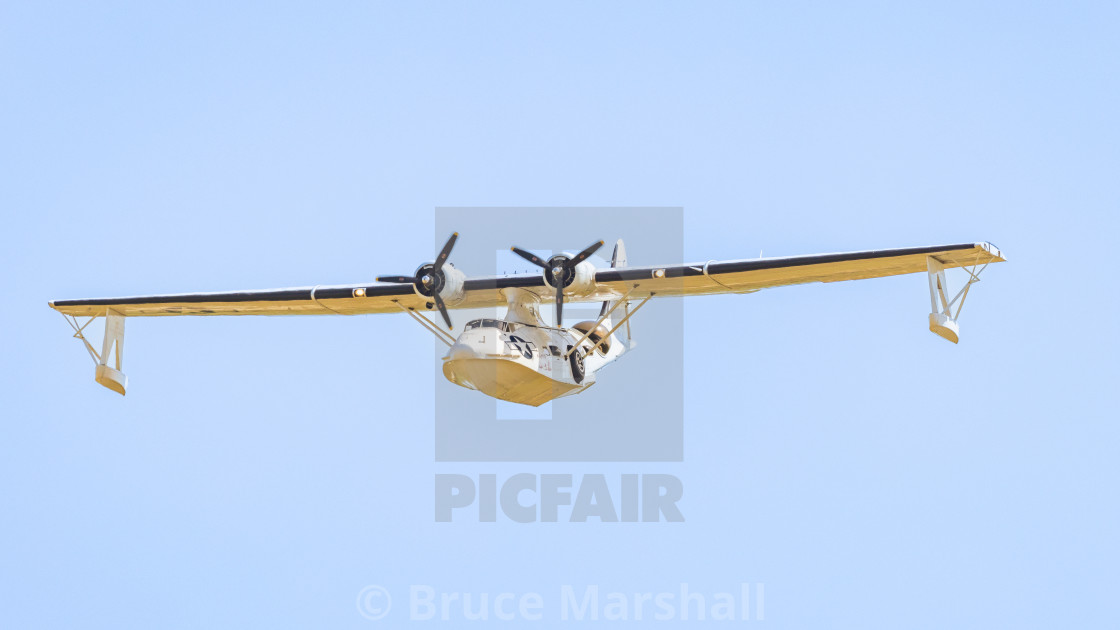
column 262, row 471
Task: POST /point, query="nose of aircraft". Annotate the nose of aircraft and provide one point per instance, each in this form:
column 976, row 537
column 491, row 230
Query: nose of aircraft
column 461, row 351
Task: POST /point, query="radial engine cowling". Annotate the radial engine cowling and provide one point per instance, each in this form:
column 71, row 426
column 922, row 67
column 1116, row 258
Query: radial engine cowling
column 565, row 274
column 581, row 279
column 452, row 290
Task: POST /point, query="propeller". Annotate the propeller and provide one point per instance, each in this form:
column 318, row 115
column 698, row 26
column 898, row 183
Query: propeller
column 429, row 279
column 559, row 271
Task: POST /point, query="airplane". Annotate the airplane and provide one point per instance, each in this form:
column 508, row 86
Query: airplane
column 520, row 358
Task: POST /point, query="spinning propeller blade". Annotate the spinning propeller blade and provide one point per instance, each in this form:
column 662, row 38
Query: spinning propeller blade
column 559, row 271
column 559, row 305
column 397, row 279
column 429, row 279
column 446, row 251
column 442, row 310
column 530, row 256
column 585, row 254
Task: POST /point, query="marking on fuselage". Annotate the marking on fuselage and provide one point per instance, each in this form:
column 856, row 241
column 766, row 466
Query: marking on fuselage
column 517, row 344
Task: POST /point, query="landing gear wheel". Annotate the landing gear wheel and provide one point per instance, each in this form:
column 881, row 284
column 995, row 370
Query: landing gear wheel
column 577, row 366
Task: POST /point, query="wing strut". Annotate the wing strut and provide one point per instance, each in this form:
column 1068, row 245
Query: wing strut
column 942, row 319
column 110, row 377
column 620, row 322
column 602, row 318
column 426, row 323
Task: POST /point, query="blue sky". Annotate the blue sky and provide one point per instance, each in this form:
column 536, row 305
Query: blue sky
column 262, row 471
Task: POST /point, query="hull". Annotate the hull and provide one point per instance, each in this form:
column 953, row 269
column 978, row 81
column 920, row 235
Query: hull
column 505, row 380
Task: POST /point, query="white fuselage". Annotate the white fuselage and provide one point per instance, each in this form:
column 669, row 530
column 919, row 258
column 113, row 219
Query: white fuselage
column 524, row 362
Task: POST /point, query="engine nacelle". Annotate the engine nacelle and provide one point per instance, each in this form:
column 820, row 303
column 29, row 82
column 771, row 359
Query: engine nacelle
column 583, row 280
column 449, row 281
column 454, row 282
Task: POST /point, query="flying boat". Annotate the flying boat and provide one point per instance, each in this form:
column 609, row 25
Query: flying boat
column 519, row 357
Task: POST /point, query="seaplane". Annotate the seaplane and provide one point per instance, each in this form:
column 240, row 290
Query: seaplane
column 520, row 358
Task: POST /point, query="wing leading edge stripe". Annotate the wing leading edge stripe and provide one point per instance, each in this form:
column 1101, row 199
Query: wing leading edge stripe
column 297, row 295
column 736, row 266
column 281, row 295
column 502, row 282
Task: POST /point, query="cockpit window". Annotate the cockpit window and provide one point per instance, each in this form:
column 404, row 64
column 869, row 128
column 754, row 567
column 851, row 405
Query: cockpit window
column 500, row 324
